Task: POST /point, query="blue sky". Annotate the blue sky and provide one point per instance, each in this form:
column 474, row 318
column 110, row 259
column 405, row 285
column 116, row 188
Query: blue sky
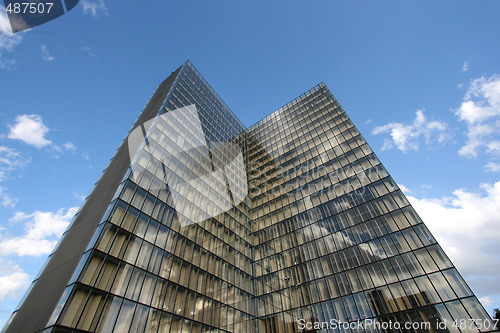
column 421, row 80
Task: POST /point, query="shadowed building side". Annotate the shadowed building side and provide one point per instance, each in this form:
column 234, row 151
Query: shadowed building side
column 42, row 297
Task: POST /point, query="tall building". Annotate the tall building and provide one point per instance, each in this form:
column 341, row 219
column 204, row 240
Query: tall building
column 199, row 224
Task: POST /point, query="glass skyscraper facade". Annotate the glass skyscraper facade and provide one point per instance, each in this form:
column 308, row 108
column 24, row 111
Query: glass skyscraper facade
column 199, row 224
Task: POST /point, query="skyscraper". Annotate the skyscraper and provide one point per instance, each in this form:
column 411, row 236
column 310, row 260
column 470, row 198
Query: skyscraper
column 199, row 224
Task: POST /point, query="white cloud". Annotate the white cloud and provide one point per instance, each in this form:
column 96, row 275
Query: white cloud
column 79, row 196
column 465, row 67
column 46, row 54
column 8, row 40
column 466, row 226
column 492, row 167
column 408, row 137
column 94, row 7
column 480, row 111
column 42, row 231
column 30, row 129
column 12, row 280
column 403, row 188
column 69, row 146
column 486, row 300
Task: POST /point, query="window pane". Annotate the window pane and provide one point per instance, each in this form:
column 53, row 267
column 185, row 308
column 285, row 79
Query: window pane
column 442, row 287
column 457, row 283
column 125, row 317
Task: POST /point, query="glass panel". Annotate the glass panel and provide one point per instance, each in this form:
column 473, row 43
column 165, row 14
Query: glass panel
column 108, row 319
column 412, row 238
column 92, row 310
column 106, row 238
column 118, row 213
column 442, row 287
column 165, row 321
column 130, row 218
column 139, row 319
column 424, row 234
column 106, row 275
column 363, row 307
column 426, row 261
column 457, row 283
column 439, row 257
column 339, row 310
column 135, row 284
column 476, row 311
column 147, row 289
column 351, row 310
column 428, row 292
column 74, row 308
column 415, row 297
column 125, row 317
column 122, row 278
column 461, row 317
column 412, row 264
column 446, row 319
column 400, row 298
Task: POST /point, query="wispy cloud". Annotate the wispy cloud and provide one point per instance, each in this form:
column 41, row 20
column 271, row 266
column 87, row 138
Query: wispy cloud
column 10, row 160
column 465, row 67
column 466, row 226
column 8, row 40
column 30, row 129
column 480, row 111
column 79, row 196
column 492, row 167
column 94, row 7
column 69, row 146
column 405, row 189
column 406, row 137
column 486, row 300
column 41, row 232
column 89, row 52
column 46, row 55
column 5, row 199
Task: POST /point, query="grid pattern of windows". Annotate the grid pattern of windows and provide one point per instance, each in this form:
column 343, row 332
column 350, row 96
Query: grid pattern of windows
column 145, row 271
column 324, row 232
column 334, row 237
